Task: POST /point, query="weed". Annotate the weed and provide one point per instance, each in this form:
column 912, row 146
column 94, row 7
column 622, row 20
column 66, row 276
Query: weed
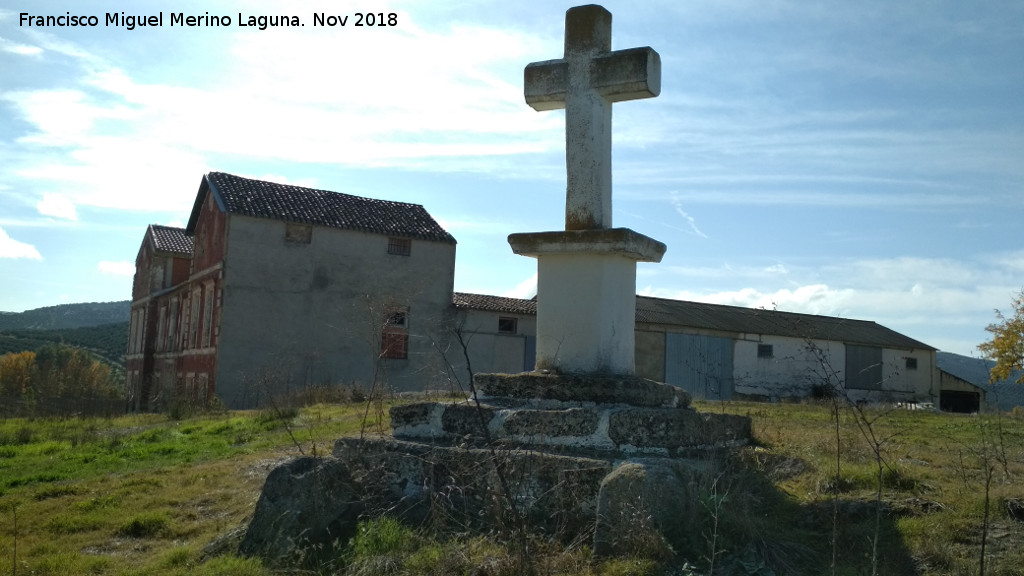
column 381, row 536
column 231, row 566
column 72, row 524
column 176, row 557
column 150, row 525
column 42, row 477
column 98, row 502
column 24, row 435
column 630, row 567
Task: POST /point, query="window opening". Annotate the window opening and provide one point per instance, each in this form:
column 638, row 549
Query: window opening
column 400, row 246
column 507, row 325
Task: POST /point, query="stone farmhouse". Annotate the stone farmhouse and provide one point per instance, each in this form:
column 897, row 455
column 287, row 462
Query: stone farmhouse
column 272, row 287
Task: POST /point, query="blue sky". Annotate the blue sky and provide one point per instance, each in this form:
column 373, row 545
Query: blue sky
column 859, row 159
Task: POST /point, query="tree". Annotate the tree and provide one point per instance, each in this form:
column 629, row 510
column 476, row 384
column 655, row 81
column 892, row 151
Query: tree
column 1007, row 344
column 16, row 371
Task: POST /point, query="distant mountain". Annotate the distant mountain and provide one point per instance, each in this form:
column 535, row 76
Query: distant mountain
column 109, row 341
column 65, row 316
column 99, row 327
column 976, row 371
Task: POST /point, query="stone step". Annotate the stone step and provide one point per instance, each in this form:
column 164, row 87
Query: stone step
column 631, row 390
column 613, row 428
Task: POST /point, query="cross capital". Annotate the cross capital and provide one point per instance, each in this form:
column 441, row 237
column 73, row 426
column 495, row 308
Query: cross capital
column 586, row 81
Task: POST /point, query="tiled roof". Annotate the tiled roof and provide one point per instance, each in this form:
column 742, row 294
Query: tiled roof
column 261, row 199
column 494, row 303
column 168, row 239
column 731, row 319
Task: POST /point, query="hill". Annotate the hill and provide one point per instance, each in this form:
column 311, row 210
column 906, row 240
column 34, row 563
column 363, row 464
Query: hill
column 99, row 327
column 64, row 316
column 108, row 341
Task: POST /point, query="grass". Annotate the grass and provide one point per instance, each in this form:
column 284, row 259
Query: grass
column 146, row 494
column 143, row 494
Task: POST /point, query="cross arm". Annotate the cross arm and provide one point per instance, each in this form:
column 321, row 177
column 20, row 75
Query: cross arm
column 621, row 75
column 546, row 84
column 627, row 74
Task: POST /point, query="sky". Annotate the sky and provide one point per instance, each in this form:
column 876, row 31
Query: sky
column 857, row 159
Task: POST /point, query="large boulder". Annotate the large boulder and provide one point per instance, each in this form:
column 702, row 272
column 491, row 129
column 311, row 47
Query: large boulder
column 307, row 505
column 649, row 508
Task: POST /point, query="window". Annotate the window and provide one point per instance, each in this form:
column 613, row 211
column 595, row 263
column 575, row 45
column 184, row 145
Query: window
column 765, row 351
column 394, row 338
column 298, row 233
column 208, row 315
column 132, row 331
column 161, row 331
column 140, row 331
column 911, row 363
column 396, row 319
column 507, row 325
column 400, row 246
column 202, row 389
column 172, row 332
column 186, row 314
column 394, row 345
column 193, row 328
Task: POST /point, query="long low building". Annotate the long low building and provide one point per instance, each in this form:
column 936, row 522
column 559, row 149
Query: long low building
column 725, row 352
column 271, row 287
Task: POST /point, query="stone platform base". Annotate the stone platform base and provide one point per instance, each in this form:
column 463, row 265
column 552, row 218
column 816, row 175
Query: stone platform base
column 535, row 449
column 609, row 415
column 314, row 504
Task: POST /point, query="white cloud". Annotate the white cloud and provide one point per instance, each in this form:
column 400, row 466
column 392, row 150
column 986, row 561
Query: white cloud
column 121, row 268
column 281, row 179
column 20, row 49
column 406, row 105
column 811, row 299
column 11, row 248
column 940, row 301
column 525, row 289
column 677, row 203
column 57, row 206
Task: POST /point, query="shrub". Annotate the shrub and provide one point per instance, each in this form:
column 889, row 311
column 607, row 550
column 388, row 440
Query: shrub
column 144, row 526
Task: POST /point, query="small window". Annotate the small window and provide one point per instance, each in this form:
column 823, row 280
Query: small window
column 911, row 363
column 400, row 246
column 507, row 325
column 396, row 319
column 765, row 351
column 298, row 233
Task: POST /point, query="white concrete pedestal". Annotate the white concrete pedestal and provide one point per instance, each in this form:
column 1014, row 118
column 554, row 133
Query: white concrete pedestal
column 586, row 297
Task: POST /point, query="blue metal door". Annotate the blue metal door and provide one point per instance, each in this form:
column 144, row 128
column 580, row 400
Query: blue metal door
column 701, row 365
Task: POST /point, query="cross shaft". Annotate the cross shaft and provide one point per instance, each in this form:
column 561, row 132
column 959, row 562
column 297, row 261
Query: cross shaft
column 585, row 82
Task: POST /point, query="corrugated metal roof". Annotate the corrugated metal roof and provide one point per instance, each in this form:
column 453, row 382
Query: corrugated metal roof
column 248, row 197
column 729, row 319
column 169, row 239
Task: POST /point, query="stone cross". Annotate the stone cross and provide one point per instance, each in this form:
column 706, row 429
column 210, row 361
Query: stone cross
column 586, row 81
